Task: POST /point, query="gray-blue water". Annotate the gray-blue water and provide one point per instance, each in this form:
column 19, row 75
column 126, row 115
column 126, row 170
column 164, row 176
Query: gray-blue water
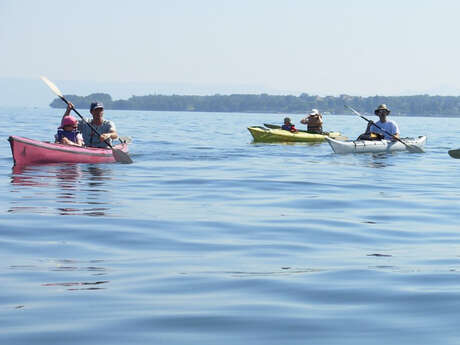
column 210, row 239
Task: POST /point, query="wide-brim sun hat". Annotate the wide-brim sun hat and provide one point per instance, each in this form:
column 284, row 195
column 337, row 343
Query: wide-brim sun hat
column 382, row 107
column 314, row 112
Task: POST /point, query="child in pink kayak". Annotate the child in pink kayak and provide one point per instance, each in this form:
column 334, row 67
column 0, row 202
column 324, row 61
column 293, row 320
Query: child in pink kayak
column 68, row 133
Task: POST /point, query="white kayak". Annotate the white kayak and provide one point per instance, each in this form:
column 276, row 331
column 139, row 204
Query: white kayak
column 351, row 146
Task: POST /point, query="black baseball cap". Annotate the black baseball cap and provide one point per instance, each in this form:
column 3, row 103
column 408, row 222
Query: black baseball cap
column 96, row 105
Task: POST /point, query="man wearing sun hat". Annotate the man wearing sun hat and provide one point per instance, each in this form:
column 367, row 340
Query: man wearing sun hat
column 314, row 122
column 389, row 126
column 105, row 128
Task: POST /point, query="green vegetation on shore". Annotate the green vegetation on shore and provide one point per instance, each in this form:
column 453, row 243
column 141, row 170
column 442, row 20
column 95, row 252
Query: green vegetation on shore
column 264, row 103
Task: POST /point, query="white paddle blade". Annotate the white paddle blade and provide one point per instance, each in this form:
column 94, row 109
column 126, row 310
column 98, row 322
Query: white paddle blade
column 353, row 110
column 52, row 86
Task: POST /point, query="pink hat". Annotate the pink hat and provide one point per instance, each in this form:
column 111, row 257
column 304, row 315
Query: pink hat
column 69, row 121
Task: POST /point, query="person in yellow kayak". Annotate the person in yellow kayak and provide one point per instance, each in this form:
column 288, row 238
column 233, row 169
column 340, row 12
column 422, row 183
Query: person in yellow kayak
column 373, row 132
column 314, row 122
column 288, row 126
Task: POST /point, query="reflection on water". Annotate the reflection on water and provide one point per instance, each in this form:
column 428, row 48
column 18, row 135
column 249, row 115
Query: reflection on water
column 73, row 286
column 70, row 266
column 70, row 189
column 379, row 160
column 367, row 160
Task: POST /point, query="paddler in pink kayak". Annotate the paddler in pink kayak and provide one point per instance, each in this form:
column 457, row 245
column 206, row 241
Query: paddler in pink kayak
column 68, row 133
column 105, row 128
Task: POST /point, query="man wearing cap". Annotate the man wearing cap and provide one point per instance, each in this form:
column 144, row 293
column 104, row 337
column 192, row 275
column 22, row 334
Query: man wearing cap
column 314, row 122
column 105, row 128
column 389, row 126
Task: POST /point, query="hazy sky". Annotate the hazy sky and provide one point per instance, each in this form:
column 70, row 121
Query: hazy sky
column 325, row 47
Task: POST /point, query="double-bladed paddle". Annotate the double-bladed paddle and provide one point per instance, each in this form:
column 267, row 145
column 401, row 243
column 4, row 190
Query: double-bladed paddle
column 119, row 155
column 410, row 148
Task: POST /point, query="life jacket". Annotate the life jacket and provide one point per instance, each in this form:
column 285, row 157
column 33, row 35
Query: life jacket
column 314, row 124
column 370, row 136
column 72, row 135
column 377, row 136
column 289, row 128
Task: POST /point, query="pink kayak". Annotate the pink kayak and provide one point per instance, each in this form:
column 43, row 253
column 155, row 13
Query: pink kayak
column 28, row 151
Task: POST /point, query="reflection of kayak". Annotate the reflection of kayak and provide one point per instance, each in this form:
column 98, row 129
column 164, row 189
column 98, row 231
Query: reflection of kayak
column 28, row 151
column 454, row 153
column 280, row 135
column 374, row 145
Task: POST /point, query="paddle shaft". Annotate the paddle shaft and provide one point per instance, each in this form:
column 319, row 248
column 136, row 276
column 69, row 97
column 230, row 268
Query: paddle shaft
column 372, row 122
column 81, row 117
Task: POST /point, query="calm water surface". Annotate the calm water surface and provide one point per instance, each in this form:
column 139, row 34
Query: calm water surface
column 210, row 239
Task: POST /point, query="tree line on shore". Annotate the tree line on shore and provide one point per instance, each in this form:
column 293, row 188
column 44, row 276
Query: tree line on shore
column 264, row 103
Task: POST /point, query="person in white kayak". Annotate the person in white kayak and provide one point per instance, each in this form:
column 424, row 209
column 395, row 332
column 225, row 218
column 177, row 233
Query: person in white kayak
column 386, row 125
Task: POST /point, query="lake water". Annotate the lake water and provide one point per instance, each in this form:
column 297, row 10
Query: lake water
column 210, row 239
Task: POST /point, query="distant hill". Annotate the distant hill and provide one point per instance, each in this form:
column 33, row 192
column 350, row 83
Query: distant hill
column 264, row 103
column 32, row 92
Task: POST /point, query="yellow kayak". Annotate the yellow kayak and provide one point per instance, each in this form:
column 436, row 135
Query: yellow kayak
column 279, row 135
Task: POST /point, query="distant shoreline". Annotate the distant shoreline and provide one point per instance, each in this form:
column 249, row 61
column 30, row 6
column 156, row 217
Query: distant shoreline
column 422, row 105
